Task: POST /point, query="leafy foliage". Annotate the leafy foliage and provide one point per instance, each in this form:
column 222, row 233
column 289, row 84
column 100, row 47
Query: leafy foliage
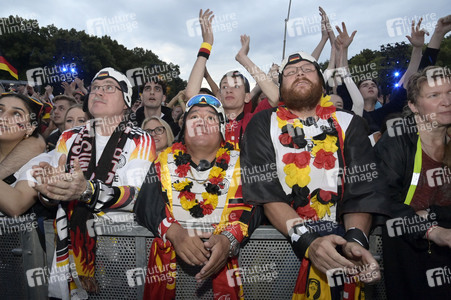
column 37, row 47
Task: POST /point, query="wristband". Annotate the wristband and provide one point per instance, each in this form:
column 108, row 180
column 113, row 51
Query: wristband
column 206, row 46
column 356, row 235
column 301, row 238
column 205, row 50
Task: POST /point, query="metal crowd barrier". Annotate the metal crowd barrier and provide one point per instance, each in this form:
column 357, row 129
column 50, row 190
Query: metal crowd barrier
column 20, row 251
column 269, row 265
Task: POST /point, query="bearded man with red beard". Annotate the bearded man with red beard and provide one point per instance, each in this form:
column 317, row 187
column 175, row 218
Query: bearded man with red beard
column 322, row 185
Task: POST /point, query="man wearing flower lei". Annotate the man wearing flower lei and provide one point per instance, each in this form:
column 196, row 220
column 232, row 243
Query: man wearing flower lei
column 193, row 192
column 312, row 145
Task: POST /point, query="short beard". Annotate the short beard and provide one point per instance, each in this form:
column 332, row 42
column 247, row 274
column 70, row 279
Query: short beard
column 302, row 100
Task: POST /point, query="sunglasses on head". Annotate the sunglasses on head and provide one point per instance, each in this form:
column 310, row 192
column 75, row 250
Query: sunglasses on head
column 203, row 99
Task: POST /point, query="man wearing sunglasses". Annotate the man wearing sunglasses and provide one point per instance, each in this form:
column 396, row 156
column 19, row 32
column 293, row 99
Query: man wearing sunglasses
column 97, row 168
column 325, row 212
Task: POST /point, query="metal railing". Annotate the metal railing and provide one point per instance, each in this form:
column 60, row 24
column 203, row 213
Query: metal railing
column 267, row 261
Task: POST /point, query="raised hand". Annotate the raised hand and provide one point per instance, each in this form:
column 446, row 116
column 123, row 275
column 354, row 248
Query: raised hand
column 273, row 73
column 443, row 25
column 325, row 25
column 79, row 82
column 343, row 36
column 68, row 90
column 49, row 89
column 417, row 36
column 205, row 20
column 245, row 41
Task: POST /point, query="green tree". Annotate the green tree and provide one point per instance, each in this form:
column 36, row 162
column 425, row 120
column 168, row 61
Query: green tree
column 38, row 47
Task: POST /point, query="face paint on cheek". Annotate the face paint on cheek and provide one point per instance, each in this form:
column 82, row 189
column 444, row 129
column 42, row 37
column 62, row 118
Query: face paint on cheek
column 21, row 126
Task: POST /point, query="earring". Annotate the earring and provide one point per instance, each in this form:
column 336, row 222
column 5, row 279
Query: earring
column 26, row 136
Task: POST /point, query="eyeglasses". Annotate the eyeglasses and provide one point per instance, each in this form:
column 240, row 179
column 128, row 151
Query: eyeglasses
column 107, row 88
column 290, row 71
column 157, row 131
column 203, row 99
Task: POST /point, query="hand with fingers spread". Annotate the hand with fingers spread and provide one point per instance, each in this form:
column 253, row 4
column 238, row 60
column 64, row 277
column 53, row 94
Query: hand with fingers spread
column 343, row 37
column 56, row 184
column 324, row 256
column 68, row 88
column 205, row 20
column 188, row 246
column 417, row 36
column 219, row 246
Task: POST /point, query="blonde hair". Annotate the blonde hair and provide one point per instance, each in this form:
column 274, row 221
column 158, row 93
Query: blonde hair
column 414, row 86
column 166, row 126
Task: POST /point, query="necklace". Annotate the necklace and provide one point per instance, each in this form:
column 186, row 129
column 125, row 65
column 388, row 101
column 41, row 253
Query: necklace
column 297, row 165
column 192, row 175
column 199, row 208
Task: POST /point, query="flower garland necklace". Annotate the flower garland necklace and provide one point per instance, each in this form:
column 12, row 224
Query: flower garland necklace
column 297, row 165
column 199, row 209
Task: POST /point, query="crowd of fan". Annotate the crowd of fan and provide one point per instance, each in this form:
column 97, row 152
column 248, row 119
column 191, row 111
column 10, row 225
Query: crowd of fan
column 52, row 134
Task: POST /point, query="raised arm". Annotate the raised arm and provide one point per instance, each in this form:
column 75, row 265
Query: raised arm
column 324, row 34
column 179, row 98
column 265, row 82
column 417, row 40
column 342, row 43
column 213, row 86
column 198, row 71
column 328, row 73
column 443, row 27
column 81, row 85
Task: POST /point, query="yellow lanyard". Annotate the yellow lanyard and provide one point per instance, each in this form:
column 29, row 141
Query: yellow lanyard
column 416, row 173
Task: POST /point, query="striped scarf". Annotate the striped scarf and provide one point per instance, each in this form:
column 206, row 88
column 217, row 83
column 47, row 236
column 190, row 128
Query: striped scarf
column 75, row 237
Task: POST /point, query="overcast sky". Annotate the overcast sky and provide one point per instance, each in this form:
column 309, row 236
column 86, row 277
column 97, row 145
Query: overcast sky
column 170, row 29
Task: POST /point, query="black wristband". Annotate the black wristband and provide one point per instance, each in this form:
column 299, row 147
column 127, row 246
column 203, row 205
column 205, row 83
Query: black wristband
column 301, row 238
column 206, row 55
column 357, row 235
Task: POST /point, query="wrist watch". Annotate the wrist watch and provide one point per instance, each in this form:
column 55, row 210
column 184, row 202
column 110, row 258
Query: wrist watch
column 234, row 244
column 86, row 196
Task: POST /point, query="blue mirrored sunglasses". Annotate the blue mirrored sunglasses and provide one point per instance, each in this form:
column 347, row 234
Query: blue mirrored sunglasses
column 203, row 99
